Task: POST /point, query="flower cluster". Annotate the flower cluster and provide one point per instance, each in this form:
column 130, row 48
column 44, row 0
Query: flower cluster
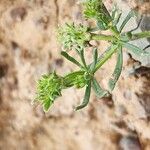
column 73, row 36
column 95, row 9
column 48, row 89
column 92, row 8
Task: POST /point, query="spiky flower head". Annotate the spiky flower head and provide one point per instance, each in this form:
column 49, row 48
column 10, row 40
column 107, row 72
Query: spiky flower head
column 73, row 36
column 48, row 89
column 95, row 9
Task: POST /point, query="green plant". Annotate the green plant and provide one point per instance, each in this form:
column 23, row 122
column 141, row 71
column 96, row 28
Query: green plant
column 77, row 38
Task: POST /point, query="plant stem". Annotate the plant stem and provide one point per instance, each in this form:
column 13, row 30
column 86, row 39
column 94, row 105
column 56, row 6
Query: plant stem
column 140, row 35
column 68, row 80
column 106, row 56
column 103, row 37
column 114, row 30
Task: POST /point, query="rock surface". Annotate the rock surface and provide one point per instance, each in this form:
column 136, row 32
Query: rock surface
column 28, row 48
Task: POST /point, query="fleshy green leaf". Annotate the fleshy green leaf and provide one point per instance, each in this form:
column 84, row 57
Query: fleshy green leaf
column 86, row 96
column 116, row 74
column 98, row 90
column 67, row 56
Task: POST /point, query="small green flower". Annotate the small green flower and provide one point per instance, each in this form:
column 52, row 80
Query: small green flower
column 95, row 9
column 48, row 89
column 73, row 36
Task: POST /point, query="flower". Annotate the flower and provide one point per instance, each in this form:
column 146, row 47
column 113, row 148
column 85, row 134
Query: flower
column 95, row 9
column 73, row 36
column 48, row 89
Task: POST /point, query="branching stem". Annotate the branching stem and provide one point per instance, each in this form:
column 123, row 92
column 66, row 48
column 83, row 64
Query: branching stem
column 106, row 56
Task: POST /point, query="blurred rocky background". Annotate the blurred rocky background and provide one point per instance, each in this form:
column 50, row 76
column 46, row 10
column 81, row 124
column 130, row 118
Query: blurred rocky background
column 29, row 48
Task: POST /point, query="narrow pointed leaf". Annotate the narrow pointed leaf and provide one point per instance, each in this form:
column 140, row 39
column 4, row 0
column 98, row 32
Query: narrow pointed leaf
column 100, row 93
column 46, row 105
column 86, row 96
column 114, row 13
column 117, row 19
column 117, row 72
column 63, row 53
column 136, row 51
column 100, row 57
column 82, row 58
column 138, row 54
column 105, row 56
column 95, row 57
column 128, row 17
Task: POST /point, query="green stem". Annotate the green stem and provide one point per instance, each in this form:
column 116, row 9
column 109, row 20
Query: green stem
column 69, row 79
column 106, row 56
column 102, row 37
column 140, row 35
column 114, row 30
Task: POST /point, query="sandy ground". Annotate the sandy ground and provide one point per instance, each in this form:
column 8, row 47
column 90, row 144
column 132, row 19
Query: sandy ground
column 28, row 49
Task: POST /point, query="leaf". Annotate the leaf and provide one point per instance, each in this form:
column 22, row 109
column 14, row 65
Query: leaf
column 100, row 57
column 86, row 96
column 137, row 53
column 95, row 57
column 101, row 25
column 46, row 105
column 105, row 56
column 128, row 17
column 98, row 90
column 117, row 19
column 82, row 58
column 133, row 49
column 63, row 53
column 117, row 72
column 114, row 11
column 74, row 79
